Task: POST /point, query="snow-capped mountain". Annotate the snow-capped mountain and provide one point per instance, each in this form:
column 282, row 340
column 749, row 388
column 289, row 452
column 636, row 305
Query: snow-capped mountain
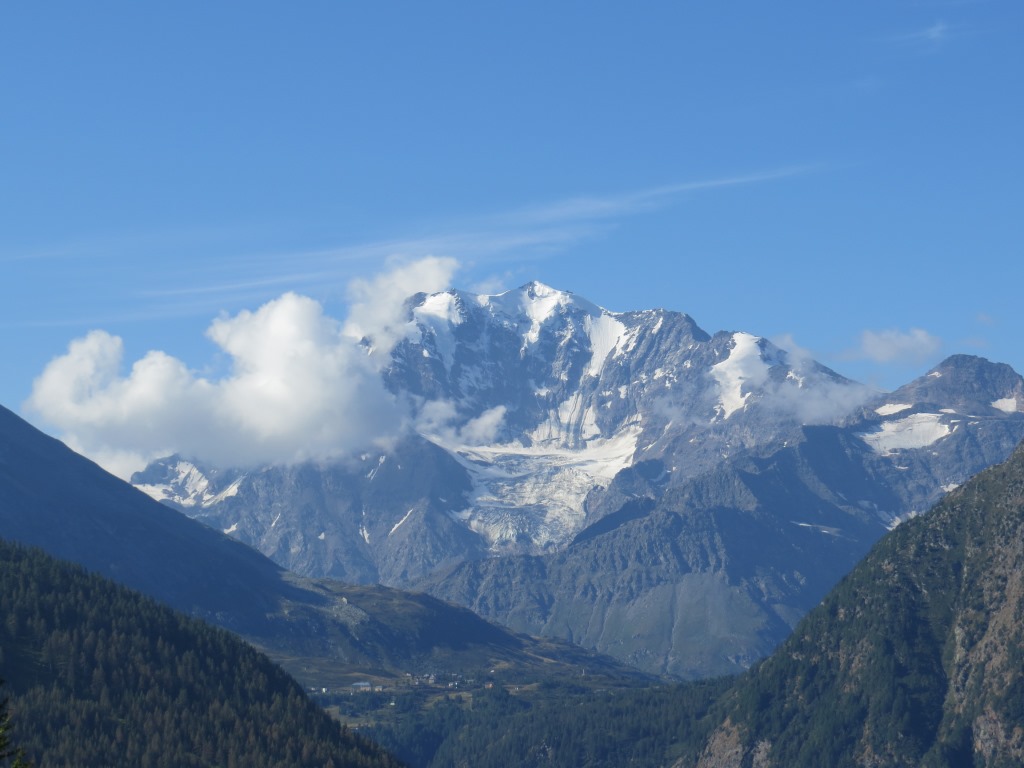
column 540, row 398
column 543, row 425
column 544, row 397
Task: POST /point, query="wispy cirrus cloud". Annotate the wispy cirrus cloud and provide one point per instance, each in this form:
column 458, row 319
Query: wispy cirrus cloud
column 589, row 208
column 928, row 38
column 893, row 345
column 200, row 272
column 529, row 233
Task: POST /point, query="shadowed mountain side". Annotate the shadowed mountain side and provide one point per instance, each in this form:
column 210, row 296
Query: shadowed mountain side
column 55, row 499
column 321, row 631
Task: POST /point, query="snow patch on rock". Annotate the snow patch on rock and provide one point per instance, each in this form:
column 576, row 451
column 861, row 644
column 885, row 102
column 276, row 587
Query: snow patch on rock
column 918, row 430
column 890, row 408
column 439, row 313
column 399, row 523
column 188, row 488
column 739, row 373
column 1006, row 404
column 606, row 336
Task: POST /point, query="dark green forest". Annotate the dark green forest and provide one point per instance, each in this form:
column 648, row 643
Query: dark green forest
column 557, row 726
column 99, row 675
column 9, row 753
column 917, row 657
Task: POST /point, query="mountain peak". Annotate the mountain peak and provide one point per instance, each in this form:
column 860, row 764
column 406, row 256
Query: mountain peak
column 537, row 301
column 967, row 384
column 537, row 289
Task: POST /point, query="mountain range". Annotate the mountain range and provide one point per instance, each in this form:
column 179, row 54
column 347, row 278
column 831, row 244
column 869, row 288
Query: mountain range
column 624, row 481
column 323, row 632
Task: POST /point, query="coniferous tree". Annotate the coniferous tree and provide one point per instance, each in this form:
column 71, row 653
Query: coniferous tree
column 7, row 751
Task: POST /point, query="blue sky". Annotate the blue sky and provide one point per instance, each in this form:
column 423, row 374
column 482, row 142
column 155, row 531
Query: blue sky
column 845, row 174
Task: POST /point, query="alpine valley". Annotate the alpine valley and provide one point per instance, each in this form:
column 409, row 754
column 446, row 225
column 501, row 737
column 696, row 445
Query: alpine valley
column 623, row 481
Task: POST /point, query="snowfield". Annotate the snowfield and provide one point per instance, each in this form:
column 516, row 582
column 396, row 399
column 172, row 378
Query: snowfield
column 744, row 369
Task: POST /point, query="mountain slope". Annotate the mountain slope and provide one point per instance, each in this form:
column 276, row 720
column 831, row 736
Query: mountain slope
column 102, row 675
column 323, row 632
column 704, row 580
column 915, row 659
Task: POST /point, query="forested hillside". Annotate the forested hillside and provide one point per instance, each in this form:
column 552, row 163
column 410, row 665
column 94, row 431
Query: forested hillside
column 99, row 675
column 915, row 659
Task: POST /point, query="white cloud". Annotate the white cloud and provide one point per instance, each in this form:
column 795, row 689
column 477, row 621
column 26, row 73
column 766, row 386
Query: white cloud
column 484, row 428
column 299, row 386
column 827, row 402
column 376, row 309
column 798, row 356
column 913, row 346
column 436, row 418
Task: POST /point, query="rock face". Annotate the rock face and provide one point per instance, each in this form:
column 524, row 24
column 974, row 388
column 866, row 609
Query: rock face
column 377, row 518
column 622, row 480
column 914, row 659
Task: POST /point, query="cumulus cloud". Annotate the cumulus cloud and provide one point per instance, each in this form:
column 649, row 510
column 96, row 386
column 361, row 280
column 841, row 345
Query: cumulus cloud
column 377, row 304
column 300, row 384
column 913, row 346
